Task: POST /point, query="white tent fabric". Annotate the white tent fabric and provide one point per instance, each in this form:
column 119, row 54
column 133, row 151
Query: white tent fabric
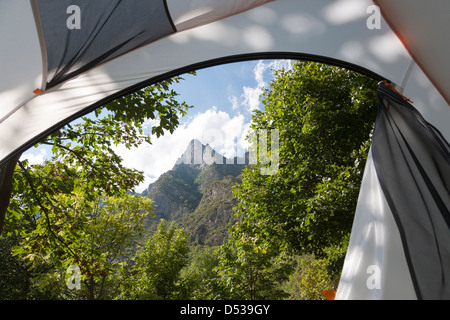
column 422, row 26
column 209, row 32
column 336, row 30
column 192, row 14
column 372, row 273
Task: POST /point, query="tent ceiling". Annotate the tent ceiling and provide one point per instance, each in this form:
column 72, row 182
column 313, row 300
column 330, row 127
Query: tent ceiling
column 423, row 28
column 205, row 31
column 190, row 14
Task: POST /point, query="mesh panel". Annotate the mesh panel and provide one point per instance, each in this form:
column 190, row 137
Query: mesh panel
column 80, row 34
column 412, row 163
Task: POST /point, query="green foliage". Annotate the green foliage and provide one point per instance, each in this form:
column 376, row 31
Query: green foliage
column 199, row 277
column 310, row 278
column 252, row 270
column 83, row 157
column 158, row 265
column 96, row 237
column 14, row 278
column 325, row 117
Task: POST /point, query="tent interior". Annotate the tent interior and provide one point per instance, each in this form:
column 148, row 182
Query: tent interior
column 65, row 58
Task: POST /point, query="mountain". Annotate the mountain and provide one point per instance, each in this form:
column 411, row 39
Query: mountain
column 214, row 215
column 197, row 193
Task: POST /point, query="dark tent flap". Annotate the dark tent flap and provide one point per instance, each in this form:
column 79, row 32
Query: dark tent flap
column 80, row 34
column 412, row 163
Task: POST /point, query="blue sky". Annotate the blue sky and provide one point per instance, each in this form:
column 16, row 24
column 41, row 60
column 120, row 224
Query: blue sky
column 223, row 98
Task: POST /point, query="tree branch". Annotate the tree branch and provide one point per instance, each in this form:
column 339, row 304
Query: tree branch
column 79, row 156
column 44, row 208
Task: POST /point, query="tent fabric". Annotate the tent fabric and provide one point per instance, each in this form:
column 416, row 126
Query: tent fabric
column 281, row 28
column 191, row 14
column 400, row 242
column 412, row 162
column 114, row 27
column 375, row 266
column 422, row 27
column 110, row 29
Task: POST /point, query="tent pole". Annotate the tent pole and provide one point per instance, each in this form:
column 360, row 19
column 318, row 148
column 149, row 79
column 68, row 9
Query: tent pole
column 406, row 76
column 6, row 181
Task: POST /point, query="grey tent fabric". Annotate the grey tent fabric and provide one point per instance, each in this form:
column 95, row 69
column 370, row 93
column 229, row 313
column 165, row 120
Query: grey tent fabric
column 107, row 29
column 412, row 161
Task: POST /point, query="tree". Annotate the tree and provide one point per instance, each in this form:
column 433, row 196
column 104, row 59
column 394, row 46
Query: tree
column 310, row 279
column 324, row 116
column 199, row 278
column 250, row 269
column 97, row 242
column 157, row 268
column 14, row 277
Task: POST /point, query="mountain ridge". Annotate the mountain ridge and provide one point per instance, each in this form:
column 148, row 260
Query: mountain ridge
column 197, row 193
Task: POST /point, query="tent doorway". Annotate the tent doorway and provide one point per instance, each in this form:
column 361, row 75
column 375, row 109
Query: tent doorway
column 210, row 120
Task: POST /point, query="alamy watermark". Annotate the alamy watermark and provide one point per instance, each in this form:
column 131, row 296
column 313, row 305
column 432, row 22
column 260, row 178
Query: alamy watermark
column 74, row 280
column 74, row 20
column 374, row 20
column 263, row 151
column 374, row 279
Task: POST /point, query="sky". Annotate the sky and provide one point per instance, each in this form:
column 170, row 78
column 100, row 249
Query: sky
column 223, row 98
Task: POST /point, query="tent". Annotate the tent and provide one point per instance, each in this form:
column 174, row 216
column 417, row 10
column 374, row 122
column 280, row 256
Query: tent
column 61, row 59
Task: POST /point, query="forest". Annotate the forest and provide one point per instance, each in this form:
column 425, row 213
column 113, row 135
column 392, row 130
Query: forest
column 75, row 229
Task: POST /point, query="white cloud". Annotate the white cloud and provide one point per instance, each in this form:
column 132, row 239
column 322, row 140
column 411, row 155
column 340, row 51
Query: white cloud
column 35, row 158
column 234, row 102
column 262, row 70
column 251, row 98
column 222, row 132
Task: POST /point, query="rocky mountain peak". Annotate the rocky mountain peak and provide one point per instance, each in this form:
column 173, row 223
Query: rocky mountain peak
column 199, row 154
column 196, row 192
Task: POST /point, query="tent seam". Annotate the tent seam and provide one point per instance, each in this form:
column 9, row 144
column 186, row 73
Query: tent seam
column 37, row 20
column 169, row 16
